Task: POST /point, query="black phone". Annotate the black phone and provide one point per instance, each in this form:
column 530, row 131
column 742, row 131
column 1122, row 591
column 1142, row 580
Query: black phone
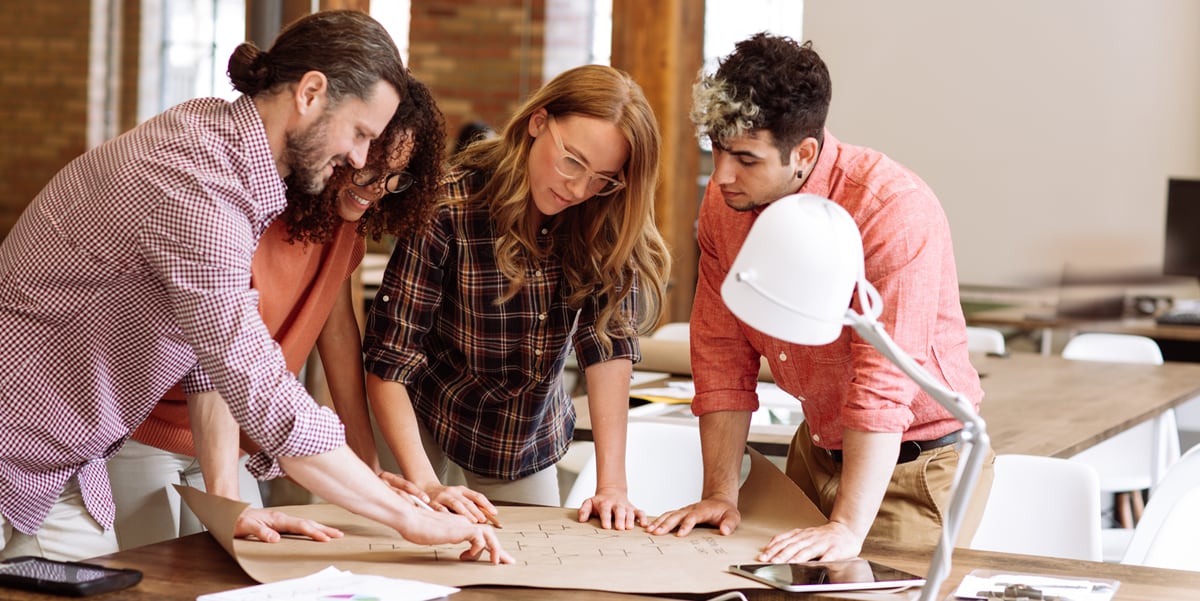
column 818, row 576
column 66, row 578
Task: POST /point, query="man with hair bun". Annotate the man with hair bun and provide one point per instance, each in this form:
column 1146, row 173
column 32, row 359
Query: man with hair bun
column 131, row 270
column 875, row 453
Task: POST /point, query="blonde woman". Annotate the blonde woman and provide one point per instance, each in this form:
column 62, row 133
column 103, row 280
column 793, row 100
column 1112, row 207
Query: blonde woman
column 544, row 240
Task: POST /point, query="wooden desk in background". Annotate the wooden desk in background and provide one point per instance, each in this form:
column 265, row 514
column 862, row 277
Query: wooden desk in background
column 1044, row 319
column 1040, row 405
column 182, row 569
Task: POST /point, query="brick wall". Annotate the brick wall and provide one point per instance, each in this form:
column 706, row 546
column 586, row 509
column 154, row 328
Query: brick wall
column 481, row 58
column 43, row 115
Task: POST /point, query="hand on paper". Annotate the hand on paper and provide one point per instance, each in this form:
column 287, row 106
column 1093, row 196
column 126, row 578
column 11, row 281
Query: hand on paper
column 458, row 499
column 828, row 542
column 268, row 524
column 442, row 528
column 398, row 482
column 716, row 510
column 461, row 500
column 614, row 510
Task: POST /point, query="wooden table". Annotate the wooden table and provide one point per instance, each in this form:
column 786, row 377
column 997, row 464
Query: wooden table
column 182, row 569
column 1044, row 319
column 1041, row 405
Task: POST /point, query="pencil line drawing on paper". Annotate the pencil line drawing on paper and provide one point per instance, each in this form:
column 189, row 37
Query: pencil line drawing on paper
column 558, row 544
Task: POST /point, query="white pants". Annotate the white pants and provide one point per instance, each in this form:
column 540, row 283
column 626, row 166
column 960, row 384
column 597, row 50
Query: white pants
column 68, row 534
column 149, row 509
column 535, row 489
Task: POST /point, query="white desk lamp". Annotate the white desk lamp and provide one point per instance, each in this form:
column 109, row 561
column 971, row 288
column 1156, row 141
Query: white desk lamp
column 794, row 279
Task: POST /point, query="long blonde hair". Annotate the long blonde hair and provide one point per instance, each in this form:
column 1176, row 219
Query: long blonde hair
column 604, row 243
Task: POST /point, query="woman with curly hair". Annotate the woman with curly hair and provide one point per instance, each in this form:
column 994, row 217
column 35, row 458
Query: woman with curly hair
column 543, row 240
column 301, row 270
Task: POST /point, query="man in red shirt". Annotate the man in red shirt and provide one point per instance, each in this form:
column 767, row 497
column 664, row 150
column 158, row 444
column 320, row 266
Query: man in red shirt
column 875, row 454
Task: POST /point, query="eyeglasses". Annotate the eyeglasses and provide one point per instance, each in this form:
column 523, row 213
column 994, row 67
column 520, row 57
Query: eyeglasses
column 394, row 182
column 571, row 168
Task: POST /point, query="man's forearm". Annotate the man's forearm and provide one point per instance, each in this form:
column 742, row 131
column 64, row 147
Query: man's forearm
column 215, row 436
column 723, row 440
column 869, row 459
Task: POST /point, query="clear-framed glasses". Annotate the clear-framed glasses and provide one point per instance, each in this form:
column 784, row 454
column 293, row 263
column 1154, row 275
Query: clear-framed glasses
column 394, row 182
column 572, row 168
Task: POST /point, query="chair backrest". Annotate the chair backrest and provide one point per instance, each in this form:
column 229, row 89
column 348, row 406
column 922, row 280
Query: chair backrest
column 1118, row 348
column 1160, row 436
column 985, row 340
column 676, row 330
column 1042, row 506
column 663, row 467
column 1168, row 535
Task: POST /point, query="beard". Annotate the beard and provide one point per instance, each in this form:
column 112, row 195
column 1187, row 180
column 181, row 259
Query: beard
column 302, row 154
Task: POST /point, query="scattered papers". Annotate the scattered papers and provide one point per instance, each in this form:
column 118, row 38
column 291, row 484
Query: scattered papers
column 988, row 585
column 769, row 394
column 332, row 584
column 775, row 406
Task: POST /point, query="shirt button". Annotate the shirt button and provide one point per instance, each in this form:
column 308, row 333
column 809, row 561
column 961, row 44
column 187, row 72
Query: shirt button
column 816, row 438
column 782, row 356
column 538, row 273
column 541, row 317
column 386, row 298
column 538, row 352
column 545, row 231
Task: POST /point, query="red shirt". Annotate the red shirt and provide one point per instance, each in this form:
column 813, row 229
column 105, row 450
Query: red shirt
column 846, row 384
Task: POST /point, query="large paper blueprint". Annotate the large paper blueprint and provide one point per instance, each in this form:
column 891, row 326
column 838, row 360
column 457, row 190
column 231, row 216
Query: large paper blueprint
column 552, row 549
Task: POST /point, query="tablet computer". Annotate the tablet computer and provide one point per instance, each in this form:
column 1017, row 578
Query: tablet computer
column 816, row 576
column 67, row 578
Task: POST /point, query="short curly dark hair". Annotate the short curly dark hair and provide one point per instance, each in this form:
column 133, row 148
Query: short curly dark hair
column 314, row 217
column 768, row 82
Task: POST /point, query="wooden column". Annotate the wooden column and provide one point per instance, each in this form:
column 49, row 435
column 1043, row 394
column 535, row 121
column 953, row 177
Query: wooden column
column 661, row 44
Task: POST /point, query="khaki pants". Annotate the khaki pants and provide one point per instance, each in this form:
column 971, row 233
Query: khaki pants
column 68, row 534
column 916, row 499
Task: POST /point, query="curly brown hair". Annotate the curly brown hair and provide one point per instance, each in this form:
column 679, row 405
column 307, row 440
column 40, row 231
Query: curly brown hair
column 769, row 82
column 314, row 217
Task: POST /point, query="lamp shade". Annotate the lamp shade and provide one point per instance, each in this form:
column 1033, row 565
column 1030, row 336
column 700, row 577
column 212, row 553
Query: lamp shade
column 795, row 273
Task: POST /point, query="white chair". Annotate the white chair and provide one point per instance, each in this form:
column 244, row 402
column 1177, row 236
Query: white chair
column 1168, row 536
column 1042, row 506
column 1135, row 459
column 676, row 330
column 663, row 467
column 985, row 340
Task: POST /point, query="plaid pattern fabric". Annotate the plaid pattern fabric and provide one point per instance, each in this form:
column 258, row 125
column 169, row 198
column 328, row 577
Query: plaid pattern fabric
column 130, row 270
column 484, row 378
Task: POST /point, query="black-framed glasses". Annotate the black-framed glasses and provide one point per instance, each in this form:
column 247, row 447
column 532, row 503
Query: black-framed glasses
column 572, row 168
column 394, row 182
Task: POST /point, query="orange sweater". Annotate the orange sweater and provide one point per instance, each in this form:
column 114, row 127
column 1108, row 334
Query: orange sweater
column 297, row 286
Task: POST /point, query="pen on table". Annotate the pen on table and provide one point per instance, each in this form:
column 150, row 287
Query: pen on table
column 493, row 520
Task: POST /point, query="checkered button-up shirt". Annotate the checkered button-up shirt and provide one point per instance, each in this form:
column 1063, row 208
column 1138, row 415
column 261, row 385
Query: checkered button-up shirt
column 485, row 379
column 130, row 270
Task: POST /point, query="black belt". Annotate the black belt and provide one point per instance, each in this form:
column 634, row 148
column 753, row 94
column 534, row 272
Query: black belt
column 909, row 449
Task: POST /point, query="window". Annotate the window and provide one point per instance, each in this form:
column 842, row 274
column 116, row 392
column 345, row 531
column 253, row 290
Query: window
column 185, row 50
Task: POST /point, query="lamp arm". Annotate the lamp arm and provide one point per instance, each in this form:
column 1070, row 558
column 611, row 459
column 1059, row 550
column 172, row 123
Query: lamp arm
column 973, row 443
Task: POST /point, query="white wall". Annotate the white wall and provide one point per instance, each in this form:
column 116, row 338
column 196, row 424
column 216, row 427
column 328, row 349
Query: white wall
column 1048, row 128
